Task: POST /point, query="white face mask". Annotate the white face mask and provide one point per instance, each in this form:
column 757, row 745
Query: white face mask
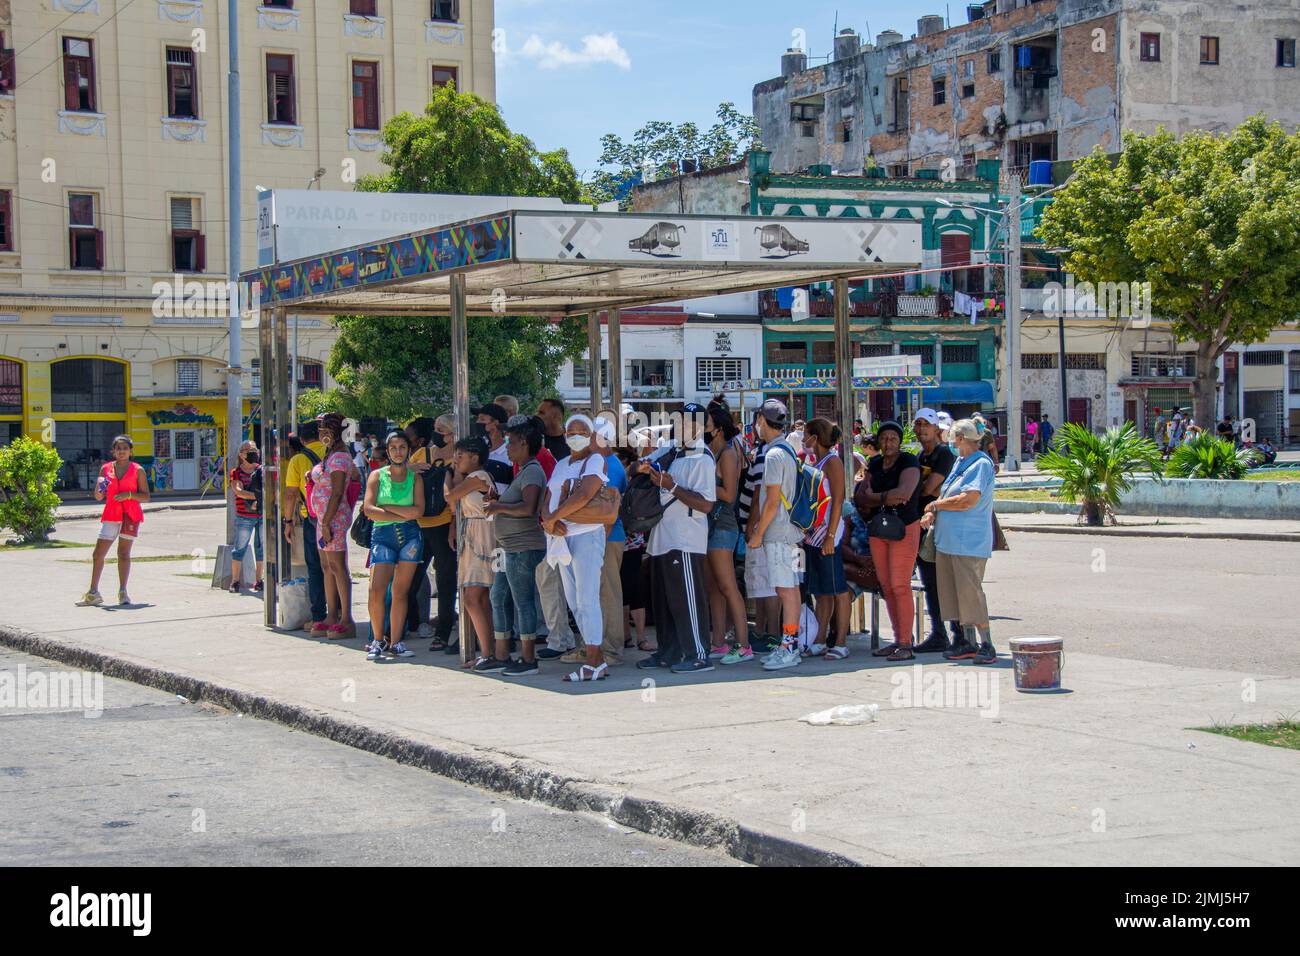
column 577, row 442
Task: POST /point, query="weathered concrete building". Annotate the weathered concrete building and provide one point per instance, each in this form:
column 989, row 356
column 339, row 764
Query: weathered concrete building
column 1025, row 81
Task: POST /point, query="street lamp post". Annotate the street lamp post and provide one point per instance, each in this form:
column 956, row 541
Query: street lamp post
column 1011, row 219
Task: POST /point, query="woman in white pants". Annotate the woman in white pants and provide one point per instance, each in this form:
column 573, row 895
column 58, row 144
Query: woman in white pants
column 578, row 549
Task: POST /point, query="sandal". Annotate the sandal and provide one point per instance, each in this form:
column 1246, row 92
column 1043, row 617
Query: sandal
column 587, row 673
column 647, row 647
column 341, row 632
column 902, row 653
column 815, row 650
column 470, row 665
column 885, row 650
column 439, row 644
column 628, row 643
column 837, row 653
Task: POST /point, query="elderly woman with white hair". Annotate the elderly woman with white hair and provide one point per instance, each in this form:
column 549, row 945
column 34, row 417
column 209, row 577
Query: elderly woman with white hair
column 963, row 540
column 577, row 548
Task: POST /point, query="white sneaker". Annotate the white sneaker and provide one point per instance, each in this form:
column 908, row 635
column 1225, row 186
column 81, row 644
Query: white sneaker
column 426, row 630
column 787, row 655
column 401, row 650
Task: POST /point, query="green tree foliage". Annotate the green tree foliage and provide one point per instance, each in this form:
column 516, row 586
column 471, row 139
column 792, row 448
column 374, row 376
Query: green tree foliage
column 1096, row 470
column 1208, row 456
column 1211, row 222
column 400, row 366
column 657, row 148
column 27, row 500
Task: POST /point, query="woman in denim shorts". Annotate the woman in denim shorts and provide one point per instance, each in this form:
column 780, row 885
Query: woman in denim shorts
column 394, row 502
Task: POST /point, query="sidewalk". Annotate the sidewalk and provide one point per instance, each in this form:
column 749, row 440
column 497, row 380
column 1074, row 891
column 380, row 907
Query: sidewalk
column 1152, row 526
column 1106, row 773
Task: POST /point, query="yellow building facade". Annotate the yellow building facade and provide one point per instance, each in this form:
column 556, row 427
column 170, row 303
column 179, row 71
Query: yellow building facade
column 113, row 195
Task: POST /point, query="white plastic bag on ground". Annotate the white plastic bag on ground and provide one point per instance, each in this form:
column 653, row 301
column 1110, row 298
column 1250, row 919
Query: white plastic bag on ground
column 293, row 605
column 807, row 627
column 845, row 715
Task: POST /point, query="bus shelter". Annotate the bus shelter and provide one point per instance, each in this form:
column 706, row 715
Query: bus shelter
column 557, row 263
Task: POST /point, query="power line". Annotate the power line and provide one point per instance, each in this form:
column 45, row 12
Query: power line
column 60, row 56
column 122, row 215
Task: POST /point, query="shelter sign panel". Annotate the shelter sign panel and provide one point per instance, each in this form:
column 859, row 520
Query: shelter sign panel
column 423, row 254
column 543, row 237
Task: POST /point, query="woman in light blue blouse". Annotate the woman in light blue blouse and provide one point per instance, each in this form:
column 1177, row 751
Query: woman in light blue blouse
column 962, row 518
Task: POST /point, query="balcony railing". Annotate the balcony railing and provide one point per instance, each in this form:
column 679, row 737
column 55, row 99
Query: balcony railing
column 876, row 305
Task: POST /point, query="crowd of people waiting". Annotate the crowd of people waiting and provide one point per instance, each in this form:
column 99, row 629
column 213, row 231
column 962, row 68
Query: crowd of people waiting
column 563, row 543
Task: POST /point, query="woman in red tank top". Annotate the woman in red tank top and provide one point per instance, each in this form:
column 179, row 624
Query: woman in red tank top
column 123, row 488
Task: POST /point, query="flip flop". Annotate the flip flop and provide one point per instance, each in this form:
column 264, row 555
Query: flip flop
column 837, row 653
column 587, row 673
column 647, row 647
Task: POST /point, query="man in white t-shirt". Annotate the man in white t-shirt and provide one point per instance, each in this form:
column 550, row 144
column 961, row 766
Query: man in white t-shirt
column 772, row 539
column 677, row 548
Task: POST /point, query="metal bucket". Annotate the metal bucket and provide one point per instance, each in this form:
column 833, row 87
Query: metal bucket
column 1038, row 663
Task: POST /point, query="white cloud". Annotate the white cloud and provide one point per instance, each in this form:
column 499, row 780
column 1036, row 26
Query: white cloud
column 596, row 48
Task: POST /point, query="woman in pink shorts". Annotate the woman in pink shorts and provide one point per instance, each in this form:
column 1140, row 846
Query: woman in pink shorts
column 331, row 502
column 123, row 488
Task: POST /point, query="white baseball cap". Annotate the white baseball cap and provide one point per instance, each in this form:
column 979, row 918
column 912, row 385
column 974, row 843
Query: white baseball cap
column 944, row 420
column 927, row 415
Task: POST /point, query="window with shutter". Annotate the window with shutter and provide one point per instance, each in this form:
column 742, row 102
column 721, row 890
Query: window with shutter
column 6, row 221
column 365, row 95
column 182, row 101
column 280, row 106
column 8, row 80
column 85, row 238
column 442, row 75
column 78, row 75
column 445, row 10
column 187, row 239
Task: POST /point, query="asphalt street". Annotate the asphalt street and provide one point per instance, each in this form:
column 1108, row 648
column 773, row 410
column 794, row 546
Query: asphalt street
column 157, row 781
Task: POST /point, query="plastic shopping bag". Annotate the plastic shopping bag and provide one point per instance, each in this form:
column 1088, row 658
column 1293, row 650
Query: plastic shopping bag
column 293, row 605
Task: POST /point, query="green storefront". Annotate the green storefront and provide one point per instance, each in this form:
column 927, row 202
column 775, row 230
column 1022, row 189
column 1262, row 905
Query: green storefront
column 915, row 314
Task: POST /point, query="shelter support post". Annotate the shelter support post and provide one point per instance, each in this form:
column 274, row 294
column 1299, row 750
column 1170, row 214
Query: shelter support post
column 274, row 452
column 265, row 401
column 593, row 359
column 460, row 409
column 615, row 326
column 844, row 380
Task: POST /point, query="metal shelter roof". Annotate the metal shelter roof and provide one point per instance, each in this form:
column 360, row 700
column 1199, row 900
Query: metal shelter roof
column 541, row 262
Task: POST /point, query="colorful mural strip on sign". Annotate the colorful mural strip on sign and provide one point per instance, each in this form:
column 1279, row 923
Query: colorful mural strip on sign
column 438, row 250
column 821, row 384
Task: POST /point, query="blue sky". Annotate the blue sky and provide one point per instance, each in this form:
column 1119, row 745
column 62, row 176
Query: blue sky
column 573, row 70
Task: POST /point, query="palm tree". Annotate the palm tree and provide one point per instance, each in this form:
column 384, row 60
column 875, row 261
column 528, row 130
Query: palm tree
column 1208, row 456
column 1097, row 469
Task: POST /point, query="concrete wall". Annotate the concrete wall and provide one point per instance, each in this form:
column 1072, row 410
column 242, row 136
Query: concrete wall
column 1189, row 498
column 1182, row 94
column 712, row 192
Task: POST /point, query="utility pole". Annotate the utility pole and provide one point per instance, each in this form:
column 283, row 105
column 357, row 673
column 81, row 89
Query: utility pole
column 1014, row 425
column 234, row 387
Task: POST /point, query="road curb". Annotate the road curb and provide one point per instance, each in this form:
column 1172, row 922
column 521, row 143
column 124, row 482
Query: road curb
column 187, row 506
column 517, row 777
column 1161, row 533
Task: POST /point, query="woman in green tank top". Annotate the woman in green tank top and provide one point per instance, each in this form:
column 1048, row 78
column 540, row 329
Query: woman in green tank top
column 394, row 502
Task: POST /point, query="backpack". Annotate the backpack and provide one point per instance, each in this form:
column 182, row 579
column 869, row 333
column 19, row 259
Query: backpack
column 642, row 507
column 810, row 507
column 435, row 492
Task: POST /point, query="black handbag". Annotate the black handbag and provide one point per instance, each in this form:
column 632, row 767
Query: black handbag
column 887, row 525
column 362, row 525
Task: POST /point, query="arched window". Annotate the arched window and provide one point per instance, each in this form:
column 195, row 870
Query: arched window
column 88, row 385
